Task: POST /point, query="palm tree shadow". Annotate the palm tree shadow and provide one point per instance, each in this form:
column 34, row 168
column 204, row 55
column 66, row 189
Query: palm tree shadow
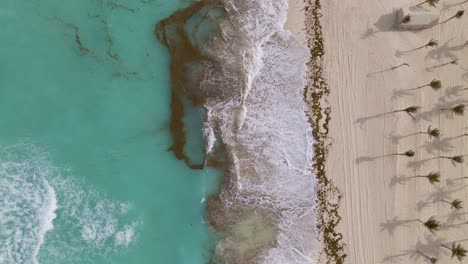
column 422, row 204
column 391, row 225
column 394, row 138
column 432, row 245
column 456, row 216
column 443, row 52
column 398, row 180
column 436, row 111
column 399, row 94
column 370, row 158
column 442, row 193
column 417, row 164
column 370, row 32
column 361, row 121
column 446, row 6
column 465, row 75
column 438, row 145
column 454, row 91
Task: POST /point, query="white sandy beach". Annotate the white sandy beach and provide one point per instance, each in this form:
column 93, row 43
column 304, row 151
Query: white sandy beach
column 375, row 201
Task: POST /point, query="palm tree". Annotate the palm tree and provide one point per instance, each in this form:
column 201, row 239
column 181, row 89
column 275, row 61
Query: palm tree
column 434, row 84
column 457, row 110
column 429, row 2
column 431, row 224
column 408, row 154
column 409, row 110
column 454, row 62
column 455, row 204
column 432, row 177
column 453, row 159
column 457, row 251
column 431, row 43
column 458, row 15
column 433, row 132
column 430, row 132
column 406, row 19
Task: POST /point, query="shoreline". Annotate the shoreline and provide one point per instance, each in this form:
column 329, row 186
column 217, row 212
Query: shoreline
column 245, row 91
column 305, row 24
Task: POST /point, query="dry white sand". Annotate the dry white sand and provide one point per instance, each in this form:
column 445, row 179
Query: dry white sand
column 377, row 200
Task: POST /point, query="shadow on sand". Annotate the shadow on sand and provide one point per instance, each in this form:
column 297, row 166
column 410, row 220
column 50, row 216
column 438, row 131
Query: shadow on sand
column 437, row 110
column 430, row 245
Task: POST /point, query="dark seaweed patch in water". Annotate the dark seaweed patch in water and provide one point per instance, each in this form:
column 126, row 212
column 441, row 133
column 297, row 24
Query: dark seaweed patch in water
column 184, row 34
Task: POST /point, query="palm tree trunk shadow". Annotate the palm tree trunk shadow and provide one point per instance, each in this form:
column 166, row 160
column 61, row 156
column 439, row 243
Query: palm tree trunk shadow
column 361, row 121
column 387, row 70
column 371, row 158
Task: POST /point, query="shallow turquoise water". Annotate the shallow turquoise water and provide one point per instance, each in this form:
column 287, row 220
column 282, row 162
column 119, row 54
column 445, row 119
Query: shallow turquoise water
column 99, row 118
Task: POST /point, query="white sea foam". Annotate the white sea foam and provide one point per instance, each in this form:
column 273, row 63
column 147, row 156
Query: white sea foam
column 46, row 214
column 264, row 125
column 27, row 208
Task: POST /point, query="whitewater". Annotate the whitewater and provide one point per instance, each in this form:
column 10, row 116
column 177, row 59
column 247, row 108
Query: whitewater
column 34, row 193
column 252, row 88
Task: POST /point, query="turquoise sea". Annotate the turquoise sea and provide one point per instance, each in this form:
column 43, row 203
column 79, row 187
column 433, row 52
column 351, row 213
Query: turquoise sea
column 85, row 174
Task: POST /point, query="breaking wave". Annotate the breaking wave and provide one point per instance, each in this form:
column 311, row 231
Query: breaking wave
column 252, row 89
column 47, row 217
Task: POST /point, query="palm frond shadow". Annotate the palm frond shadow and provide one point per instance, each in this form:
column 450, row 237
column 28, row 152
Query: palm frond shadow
column 465, row 75
column 443, row 193
column 422, row 205
column 456, row 216
column 392, row 224
column 444, row 52
column 370, row 32
column 436, row 111
column 438, row 145
column 417, row 164
column 398, row 180
column 395, row 138
column 401, row 93
column 446, row 6
column 431, row 245
column 448, row 226
column 451, row 92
